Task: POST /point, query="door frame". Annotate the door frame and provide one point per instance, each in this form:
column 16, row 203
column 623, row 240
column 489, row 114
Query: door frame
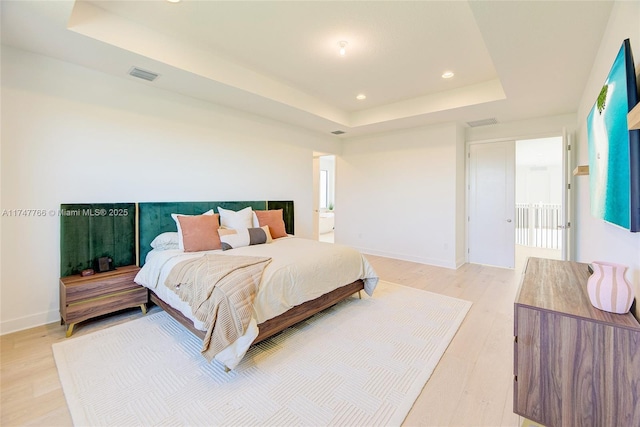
column 568, row 150
column 315, row 206
column 568, row 161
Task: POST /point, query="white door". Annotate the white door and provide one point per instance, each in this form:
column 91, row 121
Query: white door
column 492, row 204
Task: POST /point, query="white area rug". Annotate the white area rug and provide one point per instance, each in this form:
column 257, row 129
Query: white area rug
column 359, row 363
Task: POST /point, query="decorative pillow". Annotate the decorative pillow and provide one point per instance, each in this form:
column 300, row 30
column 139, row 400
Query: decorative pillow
column 273, row 219
column 238, row 238
column 200, row 233
column 236, row 220
column 175, row 218
column 165, row 241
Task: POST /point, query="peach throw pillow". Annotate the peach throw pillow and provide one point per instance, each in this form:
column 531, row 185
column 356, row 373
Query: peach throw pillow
column 200, row 232
column 273, row 219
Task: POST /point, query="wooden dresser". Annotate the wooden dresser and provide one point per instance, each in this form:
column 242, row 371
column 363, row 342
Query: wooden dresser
column 83, row 298
column 574, row 365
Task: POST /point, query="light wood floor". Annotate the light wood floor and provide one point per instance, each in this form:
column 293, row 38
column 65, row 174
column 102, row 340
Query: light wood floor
column 471, row 386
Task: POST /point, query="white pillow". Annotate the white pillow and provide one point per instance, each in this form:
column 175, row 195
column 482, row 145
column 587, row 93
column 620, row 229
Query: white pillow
column 175, row 218
column 244, row 218
column 164, row 241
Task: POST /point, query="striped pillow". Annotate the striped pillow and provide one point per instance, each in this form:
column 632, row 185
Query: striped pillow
column 237, row 238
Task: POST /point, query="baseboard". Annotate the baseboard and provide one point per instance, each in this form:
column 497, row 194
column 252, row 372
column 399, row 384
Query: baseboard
column 28, row 322
column 403, row 257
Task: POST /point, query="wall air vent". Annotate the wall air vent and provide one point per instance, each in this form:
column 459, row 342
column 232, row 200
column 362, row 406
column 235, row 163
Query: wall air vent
column 338, row 132
column 483, row 122
column 143, row 74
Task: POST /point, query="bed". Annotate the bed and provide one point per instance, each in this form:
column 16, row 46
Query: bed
column 300, row 278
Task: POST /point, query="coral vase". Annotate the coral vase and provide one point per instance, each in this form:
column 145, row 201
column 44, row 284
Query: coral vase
column 608, row 289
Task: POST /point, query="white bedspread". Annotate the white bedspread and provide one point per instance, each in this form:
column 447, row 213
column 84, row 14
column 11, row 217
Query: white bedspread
column 300, row 270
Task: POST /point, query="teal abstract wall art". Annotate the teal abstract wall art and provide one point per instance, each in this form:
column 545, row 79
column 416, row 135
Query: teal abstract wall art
column 614, row 151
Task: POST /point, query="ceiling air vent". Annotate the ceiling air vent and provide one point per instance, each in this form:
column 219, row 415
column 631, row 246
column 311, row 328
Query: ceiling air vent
column 142, row 74
column 337, row 132
column 483, row 122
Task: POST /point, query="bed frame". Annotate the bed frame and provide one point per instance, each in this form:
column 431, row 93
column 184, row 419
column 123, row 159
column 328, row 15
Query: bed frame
column 279, row 323
column 155, row 218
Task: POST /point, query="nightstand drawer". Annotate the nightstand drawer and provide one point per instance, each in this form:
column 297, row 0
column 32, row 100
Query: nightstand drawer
column 105, row 304
column 78, row 288
column 99, row 286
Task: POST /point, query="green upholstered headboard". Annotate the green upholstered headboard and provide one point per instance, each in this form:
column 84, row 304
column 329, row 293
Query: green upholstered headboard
column 155, row 217
column 89, row 231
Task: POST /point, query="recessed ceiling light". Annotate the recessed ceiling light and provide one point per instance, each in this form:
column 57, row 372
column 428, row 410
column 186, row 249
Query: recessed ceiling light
column 447, row 74
column 173, row 1
column 361, row 96
column 343, row 47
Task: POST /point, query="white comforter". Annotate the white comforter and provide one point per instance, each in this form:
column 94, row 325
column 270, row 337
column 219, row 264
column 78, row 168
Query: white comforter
column 300, row 270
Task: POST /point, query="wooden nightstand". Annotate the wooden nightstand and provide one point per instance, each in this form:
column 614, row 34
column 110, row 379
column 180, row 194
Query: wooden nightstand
column 83, row 298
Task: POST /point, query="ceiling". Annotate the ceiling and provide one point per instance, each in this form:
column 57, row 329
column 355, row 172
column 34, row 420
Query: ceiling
column 512, row 59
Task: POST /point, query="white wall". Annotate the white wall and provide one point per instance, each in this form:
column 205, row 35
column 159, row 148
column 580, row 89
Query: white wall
column 539, row 127
column 73, row 135
column 398, row 194
column 595, row 239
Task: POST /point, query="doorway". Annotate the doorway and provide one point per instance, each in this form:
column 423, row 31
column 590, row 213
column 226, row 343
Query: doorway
column 326, row 202
column 539, row 199
column 517, row 201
